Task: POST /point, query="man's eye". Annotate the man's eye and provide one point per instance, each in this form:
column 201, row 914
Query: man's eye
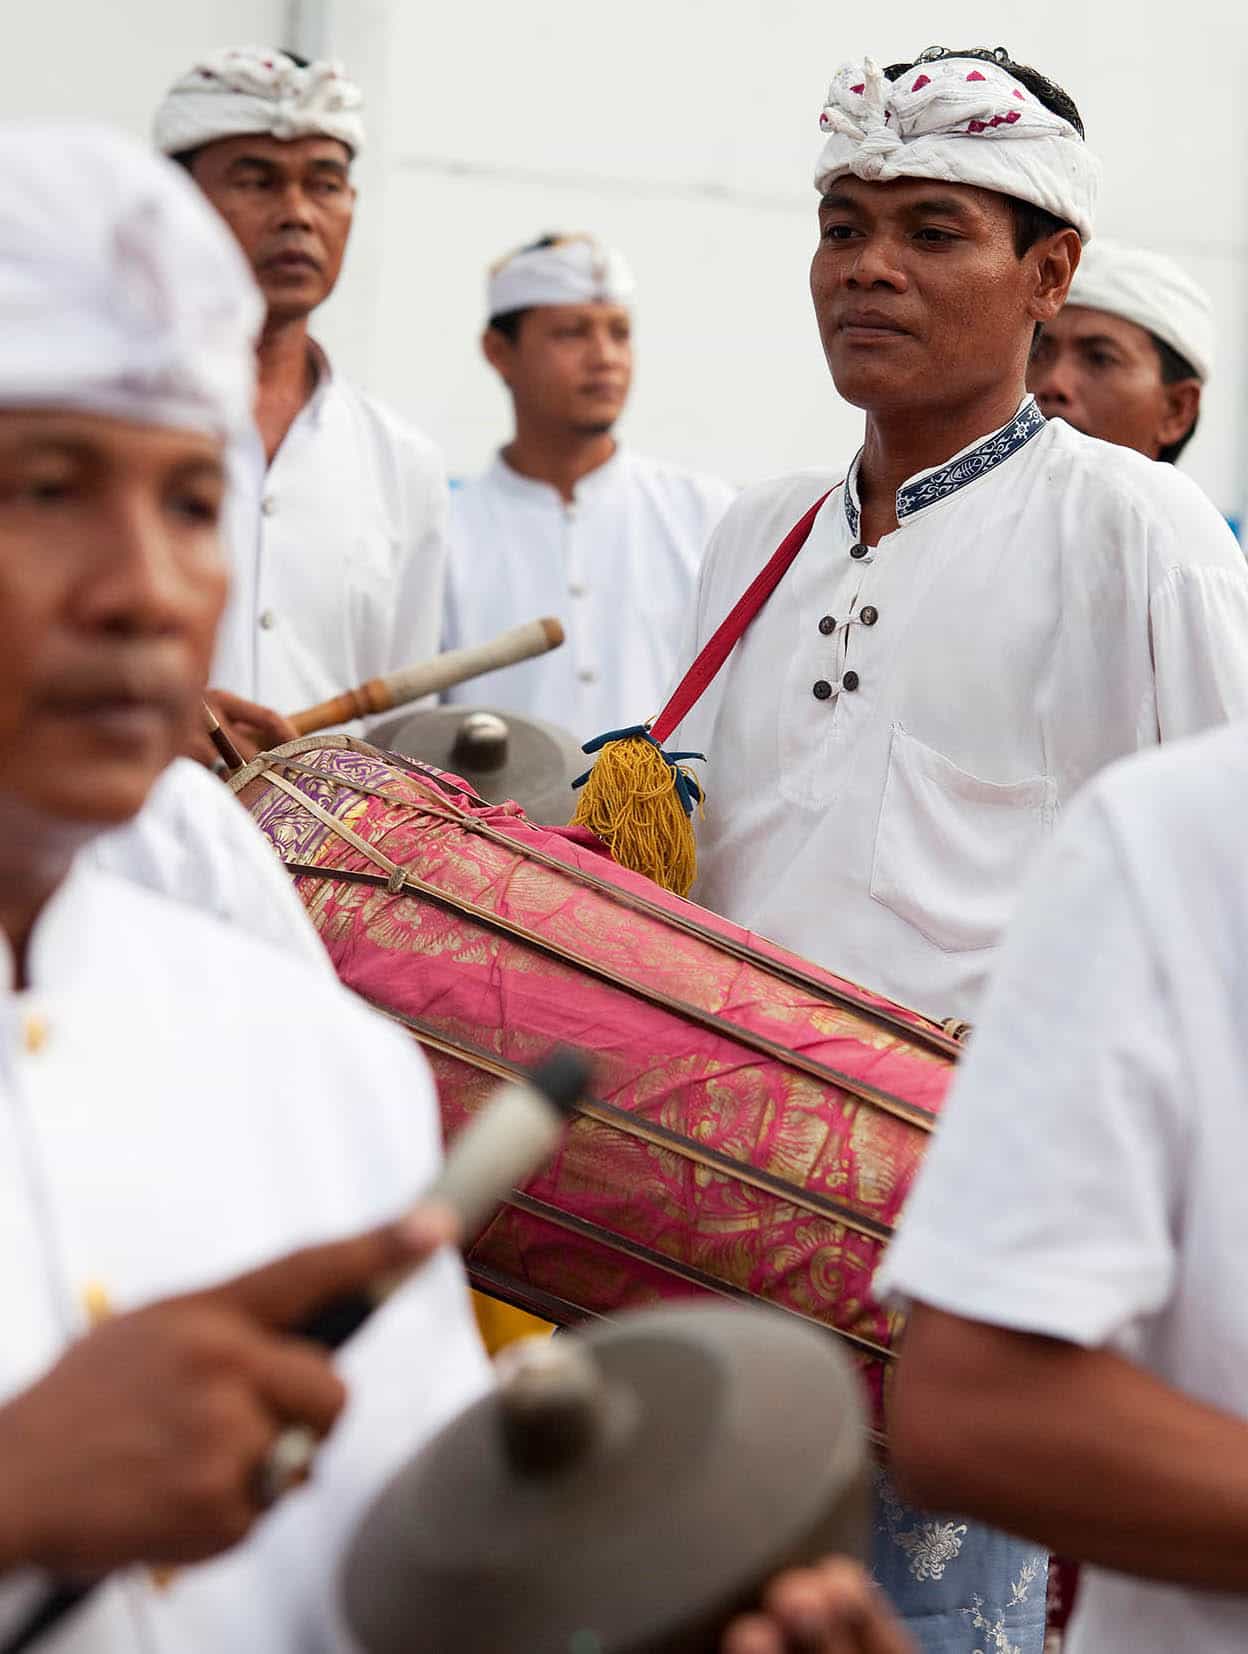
column 928, row 233
column 197, row 509
column 837, row 232
column 47, row 490
column 327, row 186
column 1102, row 359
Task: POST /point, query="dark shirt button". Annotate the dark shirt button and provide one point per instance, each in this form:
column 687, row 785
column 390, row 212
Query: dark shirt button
column 850, row 681
column 827, row 625
column 822, row 689
column 869, row 615
column 858, row 550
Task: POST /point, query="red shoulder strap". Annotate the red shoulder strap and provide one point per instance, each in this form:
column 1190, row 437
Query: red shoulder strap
column 693, row 685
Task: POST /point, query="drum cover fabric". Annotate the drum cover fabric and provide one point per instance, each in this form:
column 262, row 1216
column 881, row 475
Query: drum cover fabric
column 755, row 1122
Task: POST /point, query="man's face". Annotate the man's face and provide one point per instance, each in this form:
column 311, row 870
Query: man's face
column 920, row 295
column 111, row 586
column 570, row 365
column 290, row 207
column 1102, row 375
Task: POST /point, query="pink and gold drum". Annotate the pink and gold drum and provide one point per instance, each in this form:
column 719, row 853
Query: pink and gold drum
column 756, row 1121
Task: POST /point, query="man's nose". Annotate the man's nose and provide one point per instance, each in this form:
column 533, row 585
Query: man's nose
column 294, row 208
column 1051, row 382
column 140, row 582
column 877, row 264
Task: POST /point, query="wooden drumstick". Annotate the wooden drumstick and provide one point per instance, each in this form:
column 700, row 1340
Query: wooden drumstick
column 409, row 683
column 229, row 753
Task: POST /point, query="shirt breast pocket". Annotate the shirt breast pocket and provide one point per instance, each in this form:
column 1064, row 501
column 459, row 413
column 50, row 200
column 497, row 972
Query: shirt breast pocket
column 951, row 850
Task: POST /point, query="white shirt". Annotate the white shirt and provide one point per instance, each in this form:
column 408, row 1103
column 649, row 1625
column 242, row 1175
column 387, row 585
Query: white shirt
column 617, row 566
column 195, row 842
column 1048, row 603
column 338, row 553
column 178, row 1103
column 1088, row 1180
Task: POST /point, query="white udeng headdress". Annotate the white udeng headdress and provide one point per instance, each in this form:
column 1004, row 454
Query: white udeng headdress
column 574, row 269
column 121, row 291
column 1151, row 291
column 230, row 94
column 963, row 121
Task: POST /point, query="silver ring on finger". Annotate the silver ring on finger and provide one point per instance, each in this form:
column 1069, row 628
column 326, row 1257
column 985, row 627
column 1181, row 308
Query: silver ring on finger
column 285, row 1465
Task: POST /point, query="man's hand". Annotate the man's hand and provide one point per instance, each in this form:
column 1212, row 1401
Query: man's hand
column 829, row 1609
column 251, row 727
column 143, row 1442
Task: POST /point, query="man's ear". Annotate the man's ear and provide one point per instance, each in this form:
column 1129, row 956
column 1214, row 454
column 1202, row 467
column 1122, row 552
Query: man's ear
column 499, row 352
column 1057, row 259
column 1180, row 409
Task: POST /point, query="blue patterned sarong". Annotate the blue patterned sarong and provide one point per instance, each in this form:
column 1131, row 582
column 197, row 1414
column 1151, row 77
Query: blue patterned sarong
column 961, row 1588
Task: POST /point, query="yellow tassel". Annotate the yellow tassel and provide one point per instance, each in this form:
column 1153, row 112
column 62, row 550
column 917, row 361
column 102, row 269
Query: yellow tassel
column 630, row 801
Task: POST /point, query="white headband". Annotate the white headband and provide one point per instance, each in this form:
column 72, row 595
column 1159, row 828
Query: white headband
column 121, row 291
column 255, row 89
column 1151, row 291
column 961, row 121
column 575, row 269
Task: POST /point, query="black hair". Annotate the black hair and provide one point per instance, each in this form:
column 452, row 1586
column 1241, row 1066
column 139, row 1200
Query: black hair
column 1031, row 223
column 507, row 322
column 1175, row 366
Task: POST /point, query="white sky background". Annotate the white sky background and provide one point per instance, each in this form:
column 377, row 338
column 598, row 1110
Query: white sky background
column 684, row 131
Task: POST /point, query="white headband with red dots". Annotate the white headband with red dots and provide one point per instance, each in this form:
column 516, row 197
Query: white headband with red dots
column 962, row 121
column 257, row 89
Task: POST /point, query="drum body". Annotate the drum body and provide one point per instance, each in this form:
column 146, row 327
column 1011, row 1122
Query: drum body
column 755, row 1122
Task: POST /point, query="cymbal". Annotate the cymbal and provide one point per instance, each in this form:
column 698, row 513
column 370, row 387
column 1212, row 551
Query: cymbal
column 622, row 1491
column 501, row 755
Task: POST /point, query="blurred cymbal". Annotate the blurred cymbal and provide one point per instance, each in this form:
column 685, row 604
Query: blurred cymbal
column 623, row 1491
column 501, row 755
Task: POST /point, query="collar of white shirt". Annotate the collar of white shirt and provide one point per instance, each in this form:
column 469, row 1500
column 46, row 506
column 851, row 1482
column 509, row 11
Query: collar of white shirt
column 592, row 484
column 928, row 488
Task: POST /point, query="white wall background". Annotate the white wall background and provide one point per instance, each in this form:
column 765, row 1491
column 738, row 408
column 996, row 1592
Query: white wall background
column 684, row 131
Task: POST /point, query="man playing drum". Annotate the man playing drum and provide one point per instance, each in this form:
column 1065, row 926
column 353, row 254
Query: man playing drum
column 1128, row 355
column 989, row 608
column 336, row 526
column 178, row 1102
column 1074, row 1367
column 566, row 521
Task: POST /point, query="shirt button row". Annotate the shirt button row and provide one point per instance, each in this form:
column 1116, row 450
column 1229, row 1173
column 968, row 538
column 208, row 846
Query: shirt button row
column 587, row 675
column 268, row 505
column 859, row 551
column 869, row 615
column 268, row 620
column 576, row 589
column 827, row 625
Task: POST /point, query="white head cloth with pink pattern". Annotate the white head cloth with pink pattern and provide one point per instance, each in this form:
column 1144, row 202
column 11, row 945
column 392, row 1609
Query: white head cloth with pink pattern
column 257, row 89
column 963, row 121
column 146, row 312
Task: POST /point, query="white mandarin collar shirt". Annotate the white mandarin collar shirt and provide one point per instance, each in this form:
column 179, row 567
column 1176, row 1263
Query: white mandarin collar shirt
column 893, row 738
column 618, row 566
column 178, row 1103
column 337, row 550
column 195, row 842
column 1087, row 1182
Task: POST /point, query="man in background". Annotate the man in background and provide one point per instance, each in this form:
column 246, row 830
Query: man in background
column 565, row 521
column 1128, row 356
column 336, row 526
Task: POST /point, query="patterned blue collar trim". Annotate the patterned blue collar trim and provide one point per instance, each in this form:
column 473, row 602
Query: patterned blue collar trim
column 930, row 486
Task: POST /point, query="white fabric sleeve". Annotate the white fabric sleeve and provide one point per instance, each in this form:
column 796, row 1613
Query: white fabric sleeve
column 1199, row 623
column 420, row 589
column 1048, row 1200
